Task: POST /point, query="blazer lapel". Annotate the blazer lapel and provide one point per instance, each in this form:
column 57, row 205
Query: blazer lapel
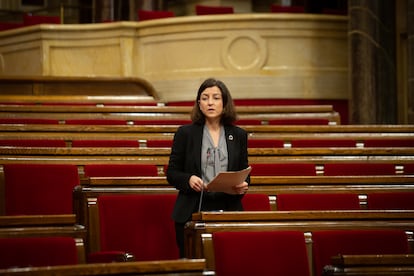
column 231, row 146
column 198, row 136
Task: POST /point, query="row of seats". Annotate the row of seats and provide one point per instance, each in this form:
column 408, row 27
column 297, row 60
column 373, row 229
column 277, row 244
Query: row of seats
column 286, row 253
column 210, row 10
column 252, row 143
column 233, row 250
column 331, row 201
column 330, row 169
column 128, row 221
column 30, row 20
column 287, row 121
column 49, row 188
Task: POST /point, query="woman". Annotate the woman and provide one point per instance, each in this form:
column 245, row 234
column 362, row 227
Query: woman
column 212, row 143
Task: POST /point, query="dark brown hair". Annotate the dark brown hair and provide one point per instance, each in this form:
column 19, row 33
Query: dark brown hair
column 229, row 115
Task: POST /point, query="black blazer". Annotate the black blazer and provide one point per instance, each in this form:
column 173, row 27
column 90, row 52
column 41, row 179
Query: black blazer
column 185, row 160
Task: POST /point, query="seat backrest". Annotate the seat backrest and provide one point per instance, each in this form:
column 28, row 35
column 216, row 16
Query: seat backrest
column 95, row 122
column 409, row 168
column 120, row 170
column 265, row 143
column 27, row 121
column 139, row 224
column 389, row 142
column 256, row 202
column 149, row 15
column 320, row 143
column 159, row 143
column 329, row 243
column 299, row 121
column 283, row 169
column 33, row 143
column 390, row 201
column 332, row 169
column 30, row 19
column 105, row 143
column 274, row 8
column 39, row 189
column 4, row 26
column 37, row 251
column 162, row 122
column 205, row 10
column 310, row 201
column 254, row 122
column 260, row 253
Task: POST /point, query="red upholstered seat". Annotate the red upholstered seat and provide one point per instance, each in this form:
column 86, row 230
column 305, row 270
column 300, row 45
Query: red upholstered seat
column 32, row 143
column 95, row 122
column 283, row 169
column 37, row 251
column 39, row 189
column 331, row 243
column 119, row 170
column 159, row 143
column 390, row 200
column 162, row 122
column 30, row 19
column 298, row 121
column 27, row 121
column 288, row 9
column 409, row 168
column 320, row 143
column 139, row 224
column 388, row 143
column 256, row 202
column 332, row 169
column 149, row 15
column 105, row 143
column 309, row 201
column 4, row 26
column 265, row 143
column 260, row 253
column 205, row 10
column 253, row 122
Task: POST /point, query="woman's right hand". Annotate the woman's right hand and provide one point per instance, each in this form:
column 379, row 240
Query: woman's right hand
column 196, row 183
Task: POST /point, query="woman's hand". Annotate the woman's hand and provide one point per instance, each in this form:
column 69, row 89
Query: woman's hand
column 196, row 183
column 241, row 188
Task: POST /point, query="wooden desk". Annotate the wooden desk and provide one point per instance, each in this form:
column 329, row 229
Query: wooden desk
column 382, row 265
column 205, row 223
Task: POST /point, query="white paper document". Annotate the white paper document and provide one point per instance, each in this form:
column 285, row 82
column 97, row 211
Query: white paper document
column 224, row 181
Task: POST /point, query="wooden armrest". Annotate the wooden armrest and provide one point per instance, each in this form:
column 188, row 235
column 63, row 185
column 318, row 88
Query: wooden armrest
column 366, row 260
column 37, row 220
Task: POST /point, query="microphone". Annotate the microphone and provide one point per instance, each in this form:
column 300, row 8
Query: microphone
column 202, row 188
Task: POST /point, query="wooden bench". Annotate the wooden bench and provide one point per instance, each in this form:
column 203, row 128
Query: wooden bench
column 198, row 232
column 370, row 265
column 162, row 267
column 87, row 193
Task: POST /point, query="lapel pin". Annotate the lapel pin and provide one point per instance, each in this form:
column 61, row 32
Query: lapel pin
column 231, row 137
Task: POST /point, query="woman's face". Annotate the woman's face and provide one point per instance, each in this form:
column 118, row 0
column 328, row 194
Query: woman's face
column 211, row 103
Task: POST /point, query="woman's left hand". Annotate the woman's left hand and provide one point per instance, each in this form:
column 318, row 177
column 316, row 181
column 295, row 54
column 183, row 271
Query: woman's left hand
column 241, row 188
